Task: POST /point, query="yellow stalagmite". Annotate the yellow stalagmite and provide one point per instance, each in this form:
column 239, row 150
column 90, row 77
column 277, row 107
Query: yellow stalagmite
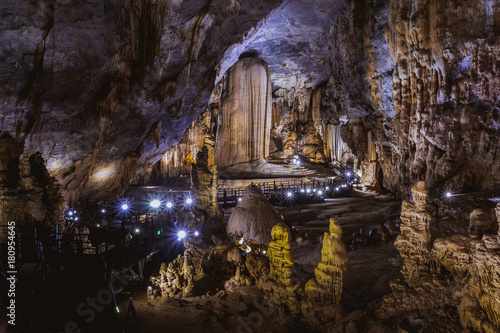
column 279, row 254
column 330, row 273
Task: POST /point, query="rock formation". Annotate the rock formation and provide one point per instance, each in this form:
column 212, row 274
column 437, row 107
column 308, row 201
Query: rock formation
column 485, row 270
column 479, row 222
column 455, row 271
column 176, row 279
column 330, row 273
column 406, row 71
column 253, row 217
column 94, row 93
column 204, row 189
column 279, row 254
column 245, row 128
column 414, row 241
column 282, row 290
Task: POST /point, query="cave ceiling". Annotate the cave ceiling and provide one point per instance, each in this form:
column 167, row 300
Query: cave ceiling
column 103, row 89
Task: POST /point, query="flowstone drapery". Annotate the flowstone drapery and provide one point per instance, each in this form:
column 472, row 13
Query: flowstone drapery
column 246, row 113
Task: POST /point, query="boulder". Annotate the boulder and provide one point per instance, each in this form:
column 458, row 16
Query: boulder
column 253, row 217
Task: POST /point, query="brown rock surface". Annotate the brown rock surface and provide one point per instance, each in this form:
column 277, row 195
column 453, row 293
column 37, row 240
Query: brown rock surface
column 245, row 128
column 253, row 218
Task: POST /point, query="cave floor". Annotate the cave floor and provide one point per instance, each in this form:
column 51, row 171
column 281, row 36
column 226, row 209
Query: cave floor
column 370, row 270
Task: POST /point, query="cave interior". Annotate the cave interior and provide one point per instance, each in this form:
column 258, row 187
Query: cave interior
column 250, row 166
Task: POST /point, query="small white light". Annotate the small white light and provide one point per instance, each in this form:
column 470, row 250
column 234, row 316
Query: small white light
column 103, row 211
column 449, row 194
column 137, row 230
column 264, row 251
column 76, row 218
column 155, row 203
column 124, row 206
column 320, row 192
column 196, row 233
column 301, row 190
column 248, row 249
column 337, row 189
column 169, row 204
column 189, row 201
column 289, row 194
column 98, row 225
column 117, row 310
column 327, row 188
column 298, row 162
column 314, row 190
column 348, row 174
column 308, row 190
column 240, row 199
column 70, row 213
column 181, row 234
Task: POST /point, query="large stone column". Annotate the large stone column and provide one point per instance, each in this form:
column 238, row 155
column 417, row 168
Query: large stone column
column 246, row 113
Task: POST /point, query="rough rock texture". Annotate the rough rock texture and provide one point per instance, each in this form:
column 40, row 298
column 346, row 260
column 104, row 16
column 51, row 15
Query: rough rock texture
column 485, row 272
column 480, row 222
column 296, row 124
column 414, row 241
column 104, row 89
column 458, row 271
column 422, row 76
column 176, row 278
column 88, row 84
column 279, row 254
column 254, row 217
column 28, row 194
column 283, row 289
column 330, row 273
column 204, row 188
column 176, row 163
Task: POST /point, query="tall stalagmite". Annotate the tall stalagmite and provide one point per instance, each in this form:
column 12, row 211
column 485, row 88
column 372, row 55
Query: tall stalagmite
column 414, row 243
column 330, row 273
column 246, row 113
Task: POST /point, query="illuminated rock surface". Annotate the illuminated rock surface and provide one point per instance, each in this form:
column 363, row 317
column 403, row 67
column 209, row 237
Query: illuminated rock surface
column 253, row 218
column 414, row 241
column 330, row 273
column 98, row 95
column 245, row 113
column 455, row 271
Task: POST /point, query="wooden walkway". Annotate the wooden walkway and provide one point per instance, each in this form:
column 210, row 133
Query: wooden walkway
column 292, row 192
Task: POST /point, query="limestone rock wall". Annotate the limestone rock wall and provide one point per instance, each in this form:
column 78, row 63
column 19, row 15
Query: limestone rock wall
column 175, row 164
column 103, row 89
column 28, row 194
column 460, row 270
column 422, row 75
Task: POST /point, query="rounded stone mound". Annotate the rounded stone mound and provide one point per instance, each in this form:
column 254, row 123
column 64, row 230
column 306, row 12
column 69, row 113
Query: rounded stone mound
column 253, row 217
